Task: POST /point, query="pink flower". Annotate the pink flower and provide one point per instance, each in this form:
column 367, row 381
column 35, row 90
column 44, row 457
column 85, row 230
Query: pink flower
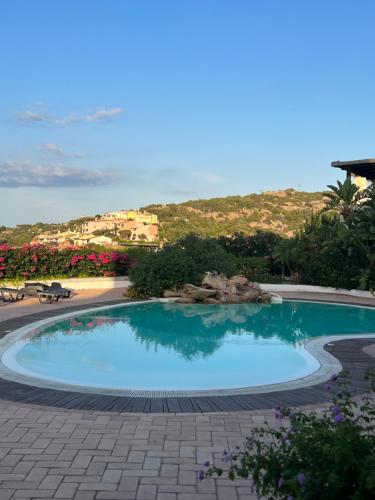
column 75, row 259
column 92, row 257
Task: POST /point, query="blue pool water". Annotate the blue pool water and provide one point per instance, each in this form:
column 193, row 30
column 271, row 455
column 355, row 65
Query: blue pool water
column 165, row 346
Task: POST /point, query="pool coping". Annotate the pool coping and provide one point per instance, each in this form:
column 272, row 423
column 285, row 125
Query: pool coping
column 297, row 392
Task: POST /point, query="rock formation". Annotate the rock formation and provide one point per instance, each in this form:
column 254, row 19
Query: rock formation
column 218, row 289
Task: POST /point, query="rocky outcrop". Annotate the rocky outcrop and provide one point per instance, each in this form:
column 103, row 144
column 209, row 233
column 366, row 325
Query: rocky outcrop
column 218, row 289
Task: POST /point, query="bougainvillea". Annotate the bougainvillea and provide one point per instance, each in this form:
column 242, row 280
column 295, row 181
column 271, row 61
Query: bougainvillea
column 41, row 261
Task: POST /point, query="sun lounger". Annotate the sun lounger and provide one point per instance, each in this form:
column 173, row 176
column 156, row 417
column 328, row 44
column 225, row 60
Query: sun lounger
column 45, row 293
column 10, row 294
column 55, row 287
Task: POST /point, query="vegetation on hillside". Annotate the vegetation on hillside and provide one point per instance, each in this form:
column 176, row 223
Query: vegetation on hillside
column 24, row 233
column 335, row 247
column 282, row 212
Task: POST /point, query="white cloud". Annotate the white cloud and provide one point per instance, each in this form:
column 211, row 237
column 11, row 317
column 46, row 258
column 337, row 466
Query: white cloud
column 31, row 116
column 51, row 148
column 24, row 174
column 58, row 151
column 104, row 114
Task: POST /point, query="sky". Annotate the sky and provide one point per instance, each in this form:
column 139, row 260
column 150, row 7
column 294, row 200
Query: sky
column 108, row 104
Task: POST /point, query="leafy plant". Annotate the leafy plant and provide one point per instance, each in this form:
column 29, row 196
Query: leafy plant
column 184, row 262
column 328, row 455
column 33, row 261
column 344, row 198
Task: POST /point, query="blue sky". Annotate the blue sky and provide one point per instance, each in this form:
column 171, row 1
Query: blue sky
column 116, row 104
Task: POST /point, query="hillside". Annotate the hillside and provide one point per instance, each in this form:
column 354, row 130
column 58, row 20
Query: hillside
column 282, row 212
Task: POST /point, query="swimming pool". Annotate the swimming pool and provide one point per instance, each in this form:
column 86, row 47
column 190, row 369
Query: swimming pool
column 159, row 346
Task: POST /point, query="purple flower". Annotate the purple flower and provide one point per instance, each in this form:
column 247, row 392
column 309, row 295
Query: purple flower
column 333, row 377
column 206, row 463
column 280, row 482
column 301, row 478
column 327, row 387
column 279, row 414
column 339, row 418
column 290, row 497
column 335, row 410
column 339, row 395
column 200, row 475
column 226, row 456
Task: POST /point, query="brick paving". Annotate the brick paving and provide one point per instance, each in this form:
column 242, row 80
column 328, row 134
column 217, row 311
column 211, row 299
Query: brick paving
column 52, row 453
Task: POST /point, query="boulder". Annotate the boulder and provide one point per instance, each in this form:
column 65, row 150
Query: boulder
column 265, row 298
column 211, row 300
column 169, row 293
column 215, row 281
column 218, row 289
column 238, row 280
column 195, row 292
column 250, row 295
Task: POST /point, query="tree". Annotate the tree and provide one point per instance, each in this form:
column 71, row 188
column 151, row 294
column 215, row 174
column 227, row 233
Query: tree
column 344, row 197
column 285, row 254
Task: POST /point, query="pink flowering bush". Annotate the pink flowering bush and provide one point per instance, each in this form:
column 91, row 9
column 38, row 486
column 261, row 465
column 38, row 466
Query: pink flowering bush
column 34, row 261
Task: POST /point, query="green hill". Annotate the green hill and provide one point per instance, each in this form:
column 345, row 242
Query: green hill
column 282, row 212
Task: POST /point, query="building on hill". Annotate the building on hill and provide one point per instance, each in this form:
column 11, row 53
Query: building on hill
column 136, row 215
column 84, row 240
column 132, row 225
column 89, row 227
column 59, row 238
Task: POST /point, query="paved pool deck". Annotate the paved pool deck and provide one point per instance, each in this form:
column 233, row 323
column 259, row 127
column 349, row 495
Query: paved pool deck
column 48, row 451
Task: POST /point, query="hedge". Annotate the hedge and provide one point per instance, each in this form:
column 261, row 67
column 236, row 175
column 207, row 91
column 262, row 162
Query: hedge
column 34, row 261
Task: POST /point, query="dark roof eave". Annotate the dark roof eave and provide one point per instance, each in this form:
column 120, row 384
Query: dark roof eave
column 362, row 168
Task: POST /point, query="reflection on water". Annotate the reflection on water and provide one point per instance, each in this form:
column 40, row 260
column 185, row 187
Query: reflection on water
column 197, row 331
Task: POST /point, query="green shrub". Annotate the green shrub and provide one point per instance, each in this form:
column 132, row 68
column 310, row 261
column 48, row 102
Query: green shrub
column 169, row 268
column 184, row 262
column 328, row 455
column 257, row 269
column 260, row 244
column 207, row 255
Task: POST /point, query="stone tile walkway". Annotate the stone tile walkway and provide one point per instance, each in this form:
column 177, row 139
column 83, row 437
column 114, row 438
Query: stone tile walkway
column 51, row 453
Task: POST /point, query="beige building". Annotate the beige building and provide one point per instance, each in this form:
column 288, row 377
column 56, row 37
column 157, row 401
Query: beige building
column 90, row 226
column 58, row 238
column 94, row 240
column 136, row 215
column 138, row 226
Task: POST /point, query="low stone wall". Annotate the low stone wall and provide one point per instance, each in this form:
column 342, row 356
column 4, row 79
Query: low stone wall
column 123, row 282
column 87, row 283
column 272, row 287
